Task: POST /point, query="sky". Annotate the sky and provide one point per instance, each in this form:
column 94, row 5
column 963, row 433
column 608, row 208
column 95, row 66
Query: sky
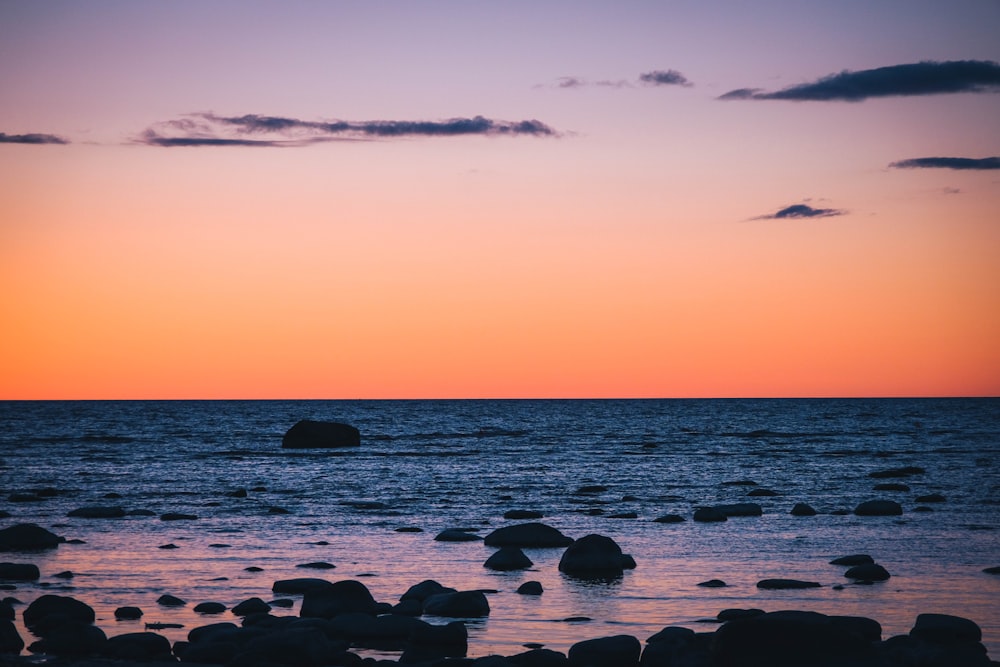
column 249, row 199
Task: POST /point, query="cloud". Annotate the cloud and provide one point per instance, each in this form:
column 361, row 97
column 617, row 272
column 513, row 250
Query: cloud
column 961, row 163
column 800, row 211
column 207, row 129
column 31, row 139
column 670, row 77
column 923, row 78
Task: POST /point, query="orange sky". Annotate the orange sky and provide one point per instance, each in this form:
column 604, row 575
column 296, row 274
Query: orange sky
column 628, row 254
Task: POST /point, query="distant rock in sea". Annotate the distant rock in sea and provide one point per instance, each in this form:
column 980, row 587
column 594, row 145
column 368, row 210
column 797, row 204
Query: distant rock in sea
column 309, row 434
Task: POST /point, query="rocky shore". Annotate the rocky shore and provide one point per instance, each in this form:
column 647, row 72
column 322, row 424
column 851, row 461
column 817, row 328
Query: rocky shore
column 340, row 623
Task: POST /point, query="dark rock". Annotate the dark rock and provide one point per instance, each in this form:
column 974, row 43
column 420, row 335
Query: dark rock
column 98, row 512
column 71, row 638
column 65, row 574
column 508, row 558
column 300, row 585
column 672, row 647
column 945, row 629
column 238, row 493
column 530, row 588
column 6, row 610
column 295, row 646
column 802, row 509
column 340, row 597
column 318, row 565
column 283, row 603
column 424, row 590
column 905, row 471
column 594, row 556
column 408, row 608
column 709, row 514
column 209, row 608
column 539, row 657
column 891, row 486
column 669, row 518
column 19, row 572
column 128, row 613
column 868, row 629
column 170, row 601
column 55, row 606
column 616, row 651
column 527, row 536
column 431, row 643
column 455, row 535
column 740, row 482
column 763, row 493
column 28, row 537
column 868, row 572
column 25, row 497
column 733, row 614
column 409, row 529
column 463, row 604
column 879, row 508
column 522, row 514
column 853, row 559
column 140, row 512
column 277, row 510
column 251, row 606
column 168, row 546
column 713, row 583
column 740, row 509
column 930, row 498
column 253, row 568
column 785, row 584
column 10, row 640
column 308, row 434
column 139, row 647
column 213, row 632
column 177, row 516
column 992, row 570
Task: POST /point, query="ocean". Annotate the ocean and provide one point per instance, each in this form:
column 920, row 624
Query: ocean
column 588, row 466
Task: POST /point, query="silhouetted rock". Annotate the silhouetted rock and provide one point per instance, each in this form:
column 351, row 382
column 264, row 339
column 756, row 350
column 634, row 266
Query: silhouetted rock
column 128, row 613
column 763, row 493
column 802, row 509
column 10, row 640
column 527, row 536
column 879, row 508
column 522, row 514
column 930, row 498
column 309, row 434
column 63, row 609
column 590, row 489
column 456, row 535
column 98, row 512
column 19, row 572
column 853, row 559
column 508, row 558
column 669, row 518
column 317, row 565
column 891, row 486
column 530, row 588
column 785, row 584
column 674, row 646
column 340, row 597
column 462, row 604
column 713, row 583
column 177, row 516
column 424, row 590
column 139, row 647
column 299, row 585
column 905, row 471
column 594, row 556
column 992, row 570
column 733, row 614
column 170, row 601
column 539, row 657
column 868, row 572
column 28, row 537
column 209, row 608
column 709, row 514
column 434, row 642
column 71, row 639
column 251, row 606
column 616, row 651
column 945, row 629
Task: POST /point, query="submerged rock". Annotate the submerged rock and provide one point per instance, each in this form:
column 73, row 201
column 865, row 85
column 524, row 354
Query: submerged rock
column 878, row 508
column 299, row 585
column 868, row 572
column 508, row 558
column 128, row 613
column 98, row 512
column 905, row 471
column 853, row 559
column 786, row 584
column 740, row 509
column 709, row 515
column 309, row 434
column 527, row 536
column 802, row 509
column 530, row 588
column 28, row 537
column 669, row 518
column 456, row 535
column 462, row 604
column 19, row 572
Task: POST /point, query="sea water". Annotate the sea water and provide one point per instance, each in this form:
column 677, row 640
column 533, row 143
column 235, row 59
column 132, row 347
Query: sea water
column 433, row 465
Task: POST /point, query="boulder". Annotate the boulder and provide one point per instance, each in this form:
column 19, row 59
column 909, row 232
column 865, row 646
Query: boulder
column 317, row 565
column 139, row 647
column 177, row 516
column 340, row 597
column 71, row 639
column 853, row 559
column 128, row 613
column 616, row 651
column 674, row 646
column 527, row 536
column 309, row 434
column 539, row 657
column 868, row 572
column 878, row 508
column 299, row 585
column 945, row 629
column 891, row 486
column 98, row 512
column 785, row 584
column 713, row 583
column 594, row 556
column 295, row 646
column 930, row 498
column 19, row 572
column 430, row 643
column 508, row 558
column 456, row 535
column 462, row 604
column 424, row 590
column 905, row 471
column 530, row 588
column 10, row 641
column 209, row 608
column 521, row 515
column 732, row 614
column 63, row 609
column 802, row 509
column 28, row 537
column 669, row 518
column 170, row 601
column 709, row 514
column 763, row 493
column 251, row 606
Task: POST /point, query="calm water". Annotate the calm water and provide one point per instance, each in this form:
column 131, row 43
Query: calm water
column 442, row 464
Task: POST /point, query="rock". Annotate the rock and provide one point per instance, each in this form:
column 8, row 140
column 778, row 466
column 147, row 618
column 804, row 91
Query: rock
column 891, row 486
column 98, row 512
column 868, row 629
column 992, row 570
column 251, row 606
column 300, row 585
column 7, row 610
column 424, row 590
column 740, row 509
column 616, row 651
column 213, row 632
column 930, row 498
column 462, row 604
column 65, row 609
column 128, row 613
column 785, row 584
column 765, row 493
column 28, row 537
column 340, row 597
column 709, row 514
column 140, row 512
column 733, row 614
column 868, row 572
column 71, row 638
column 945, row 629
column 539, row 657
column 905, row 471
column 292, row 645
column 177, row 516
column 170, row 601
column 19, row 572
column 522, row 514
column 317, row 565
column 530, row 588
column 309, row 434
column 878, row 508
column 408, row 529
column 508, row 558
column 139, row 647
column 238, row 493
column 740, row 482
column 674, row 646
column 209, row 608
column 802, row 509
column 168, row 546
column 433, row 642
column 713, row 583
column 455, row 535
column 527, row 536
column 10, row 640
column 594, row 556
column 853, row 559
column 669, row 518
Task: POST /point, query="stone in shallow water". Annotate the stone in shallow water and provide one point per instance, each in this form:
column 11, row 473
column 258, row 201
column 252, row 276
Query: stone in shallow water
column 878, row 508
column 128, row 613
column 168, row 600
column 786, row 584
column 853, row 559
column 528, row 536
column 802, row 509
column 507, row 559
column 98, row 512
column 868, row 572
column 28, row 537
column 310, row 434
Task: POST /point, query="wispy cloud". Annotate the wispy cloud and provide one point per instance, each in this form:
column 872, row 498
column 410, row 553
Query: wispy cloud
column 31, row 139
column 801, row 211
column 670, row 77
column 207, row 129
column 923, row 78
column 961, row 163
column 567, row 82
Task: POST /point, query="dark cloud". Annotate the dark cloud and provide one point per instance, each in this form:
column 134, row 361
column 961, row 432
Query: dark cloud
column 948, row 163
column 670, row 77
column 31, row 139
column 800, row 211
column 923, row 78
column 208, row 129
